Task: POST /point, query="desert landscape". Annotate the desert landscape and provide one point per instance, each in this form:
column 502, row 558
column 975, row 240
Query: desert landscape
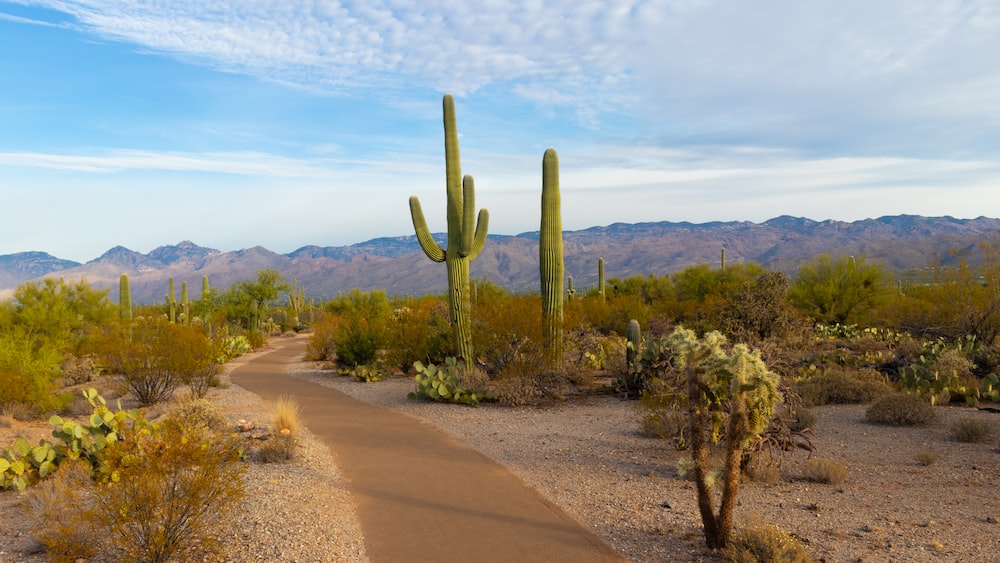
column 589, row 457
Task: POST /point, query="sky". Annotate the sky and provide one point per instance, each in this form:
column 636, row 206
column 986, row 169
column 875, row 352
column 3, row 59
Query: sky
column 285, row 123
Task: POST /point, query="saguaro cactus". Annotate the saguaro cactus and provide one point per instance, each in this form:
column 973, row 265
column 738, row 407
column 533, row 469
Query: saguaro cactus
column 125, row 305
column 466, row 236
column 600, row 278
column 550, row 258
column 171, row 303
column 185, row 305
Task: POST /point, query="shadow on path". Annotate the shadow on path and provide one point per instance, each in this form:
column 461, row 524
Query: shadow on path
column 420, row 494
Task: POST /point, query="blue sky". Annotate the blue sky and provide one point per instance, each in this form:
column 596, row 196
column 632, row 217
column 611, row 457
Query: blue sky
column 284, row 123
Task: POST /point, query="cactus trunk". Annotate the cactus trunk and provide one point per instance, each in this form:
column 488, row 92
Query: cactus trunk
column 600, row 277
column 125, row 306
column 466, row 235
column 550, row 259
column 171, row 304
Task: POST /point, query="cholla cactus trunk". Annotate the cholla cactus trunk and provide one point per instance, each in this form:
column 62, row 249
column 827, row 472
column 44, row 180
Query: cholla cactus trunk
column 125, row 306
column 466, row 235
column 550, row 258
column 171, row 304
column 600, row 277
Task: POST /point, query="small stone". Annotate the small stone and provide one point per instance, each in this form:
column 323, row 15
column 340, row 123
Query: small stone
column 991, row 519
column 665, row 504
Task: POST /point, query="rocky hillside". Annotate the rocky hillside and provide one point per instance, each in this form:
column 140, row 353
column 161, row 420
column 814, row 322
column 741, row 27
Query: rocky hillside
column 397, row 265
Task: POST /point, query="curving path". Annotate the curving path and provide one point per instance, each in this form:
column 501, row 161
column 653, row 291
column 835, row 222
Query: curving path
column 420, row 494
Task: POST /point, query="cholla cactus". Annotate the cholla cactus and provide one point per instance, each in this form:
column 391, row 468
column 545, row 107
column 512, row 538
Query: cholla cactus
column 720, row 380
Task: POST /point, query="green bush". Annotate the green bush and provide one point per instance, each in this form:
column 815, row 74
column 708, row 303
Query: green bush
column 900, row 410
column 29, row 369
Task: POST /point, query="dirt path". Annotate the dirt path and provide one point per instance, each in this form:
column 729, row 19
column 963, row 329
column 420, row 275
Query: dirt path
column 420, row 494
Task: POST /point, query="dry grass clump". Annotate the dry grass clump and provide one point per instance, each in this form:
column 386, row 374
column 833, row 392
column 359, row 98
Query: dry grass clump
column 972, row 430
column 926, row 457
column 843, row 386
column 276, row 449
column 285, row 415
column 801, row 419
column 823, row 470
column 764, row 543
column 900, row 410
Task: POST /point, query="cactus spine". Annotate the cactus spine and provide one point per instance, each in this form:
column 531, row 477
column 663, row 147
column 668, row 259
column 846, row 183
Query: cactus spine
column 125, row 305
column 466, row 236
column 550, row 258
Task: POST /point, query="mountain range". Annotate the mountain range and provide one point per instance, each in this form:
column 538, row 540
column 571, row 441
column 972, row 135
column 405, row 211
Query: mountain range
column 398, row 266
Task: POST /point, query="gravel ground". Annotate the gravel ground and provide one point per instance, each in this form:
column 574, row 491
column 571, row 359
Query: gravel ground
column 588, row 458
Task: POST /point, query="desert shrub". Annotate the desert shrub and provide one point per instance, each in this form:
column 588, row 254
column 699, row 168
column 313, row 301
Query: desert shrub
column 159, row 357
column 167, row 490
column 358, row 339
column 320, row 346
column 842, row 386
column 800, row 419
column 277, row 448
column 506, row 328
column 972, row 430
column 78, row 369
column 29, row 367
column 64, row 516
column 764, row 544
column 758, row 309
column 837, row 291
column 418, row 330
column 898, row 409
column 664, row 423
column 823, row 470
column 926, row 457
column 198, row 414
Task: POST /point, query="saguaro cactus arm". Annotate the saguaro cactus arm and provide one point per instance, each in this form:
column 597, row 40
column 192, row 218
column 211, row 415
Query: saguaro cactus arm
column 430, row 247
column 473, row 241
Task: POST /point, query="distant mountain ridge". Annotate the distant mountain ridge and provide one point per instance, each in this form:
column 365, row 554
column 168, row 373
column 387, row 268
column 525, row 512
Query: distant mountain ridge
column 398, row 266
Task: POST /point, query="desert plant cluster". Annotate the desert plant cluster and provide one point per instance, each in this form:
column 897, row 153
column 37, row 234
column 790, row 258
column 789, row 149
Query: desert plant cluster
column 724, row 361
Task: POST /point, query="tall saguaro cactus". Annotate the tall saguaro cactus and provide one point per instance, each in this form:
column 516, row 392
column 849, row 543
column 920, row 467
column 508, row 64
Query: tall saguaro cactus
column 125, row 305
column 171, row 302
column 550, row 258
column 600, row 278
column 466, row 235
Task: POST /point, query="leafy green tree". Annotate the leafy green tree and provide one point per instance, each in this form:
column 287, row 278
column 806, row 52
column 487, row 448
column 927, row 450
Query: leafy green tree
column 247, row 302
column 60, row 313
column 841, row 291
